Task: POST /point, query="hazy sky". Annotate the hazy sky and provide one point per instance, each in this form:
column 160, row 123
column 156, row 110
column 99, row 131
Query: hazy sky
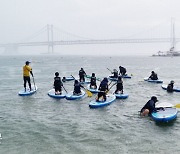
column 88, row 18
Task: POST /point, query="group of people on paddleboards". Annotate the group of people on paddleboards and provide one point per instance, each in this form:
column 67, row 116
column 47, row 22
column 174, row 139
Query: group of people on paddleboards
column 103, row 89
column 58, row 83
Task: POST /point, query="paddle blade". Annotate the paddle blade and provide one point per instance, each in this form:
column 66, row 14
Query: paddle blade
column 177, row 106
column 89, row 93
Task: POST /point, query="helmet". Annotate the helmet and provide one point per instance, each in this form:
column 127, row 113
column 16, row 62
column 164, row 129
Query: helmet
column 56, row 74
column 154, row 98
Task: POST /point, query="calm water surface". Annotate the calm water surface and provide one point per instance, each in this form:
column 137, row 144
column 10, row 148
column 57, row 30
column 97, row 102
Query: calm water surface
column 40, row 124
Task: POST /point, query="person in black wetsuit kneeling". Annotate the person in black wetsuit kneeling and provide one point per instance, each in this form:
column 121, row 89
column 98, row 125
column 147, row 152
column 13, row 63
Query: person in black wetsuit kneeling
column 119, row 86
column 57, row 84
column 170, row 86
column 153, row 76
column 77, row 88
column 93, row 81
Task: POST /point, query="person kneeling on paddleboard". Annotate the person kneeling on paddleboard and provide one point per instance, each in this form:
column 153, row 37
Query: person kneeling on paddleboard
column 77, row 88
column 27, row 70
column 153, row 76
column 122, row 70
column 57, row 84
column 103, row 87
column 149, row 107
column 93, row 81
column 170, row 86
column 119, row 86
column 115, row 74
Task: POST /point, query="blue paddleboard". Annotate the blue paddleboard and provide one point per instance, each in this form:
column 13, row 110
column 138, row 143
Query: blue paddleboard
column 27, row 92
column 92, row 89
column 153, row 81
column 166, row 114
column 109, row 100
column 112, row 79
column 121, row 96
column 68, row 78
column 51, row 93
column 126, row 76
column 176, row 89
column 71, row 96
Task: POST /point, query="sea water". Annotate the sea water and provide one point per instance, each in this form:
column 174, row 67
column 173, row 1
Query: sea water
column 41, row 124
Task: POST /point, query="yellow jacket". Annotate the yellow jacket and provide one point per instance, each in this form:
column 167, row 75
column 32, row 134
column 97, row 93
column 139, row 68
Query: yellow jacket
column 26, row 70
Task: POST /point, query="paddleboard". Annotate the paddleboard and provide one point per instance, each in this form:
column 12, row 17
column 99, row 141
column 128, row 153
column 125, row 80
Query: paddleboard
column 92, row 89
column 88, row 76
column 153, row 81
column 71, row 96
column 109, row 99
column 176, row 89
column 85, row 82
column 121, row 96
column 68, row 78
column 112, row 79
column 165, row 115
column 126, row 76
column 51, row 93
column 27, row 92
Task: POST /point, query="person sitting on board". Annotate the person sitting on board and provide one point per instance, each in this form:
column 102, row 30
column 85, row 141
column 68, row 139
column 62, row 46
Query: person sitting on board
column 64, row 79
column 149, row 107
column 82, row 75
column 170, row 86
column 77, row 88
column 119, row 86
column 27, row 70
column 153, row 76
column 122, row 71
column 93, row 81
column 103, row 88
column 57, row 84
column 115, row 74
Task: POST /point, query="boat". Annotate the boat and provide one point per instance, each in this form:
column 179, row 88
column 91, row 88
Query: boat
column 172, row 51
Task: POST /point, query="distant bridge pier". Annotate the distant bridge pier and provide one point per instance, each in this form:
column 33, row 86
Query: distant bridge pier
column 50, row 38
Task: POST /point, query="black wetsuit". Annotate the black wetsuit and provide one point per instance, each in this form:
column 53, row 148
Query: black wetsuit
column 57, row 84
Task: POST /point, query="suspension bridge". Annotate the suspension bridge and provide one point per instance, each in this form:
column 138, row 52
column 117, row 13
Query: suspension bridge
column 50, row 33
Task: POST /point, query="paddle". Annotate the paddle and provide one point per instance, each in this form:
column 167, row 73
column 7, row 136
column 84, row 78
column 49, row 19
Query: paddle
column 34, row 83
column 88, row 76
column 177, row 106
column 87, row 91
column 109, row 70
column 65, row 89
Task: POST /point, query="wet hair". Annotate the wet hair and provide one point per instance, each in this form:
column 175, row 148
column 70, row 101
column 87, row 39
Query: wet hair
column 56, row 74
column 75, row 81
column 154, row 98
column 27, row 62
column 152, row 72
column 105, row 79
column 119, row 78
column 93, row 74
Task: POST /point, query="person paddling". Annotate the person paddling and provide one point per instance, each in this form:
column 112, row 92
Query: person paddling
column 82, row 75
column 77, row 88
column 27, row 70
column 122, row 71
column 153, row 76
column 119, row 86
column 103, row 87
column 149, row 107
column 57, row 84
column 115, row 74
column 170, row 86
column 93, row 81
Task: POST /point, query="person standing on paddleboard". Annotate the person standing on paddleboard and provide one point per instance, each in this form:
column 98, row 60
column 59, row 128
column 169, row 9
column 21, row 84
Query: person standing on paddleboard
column 119, row 86
column 102, row 89
column 27, row 70
column 82, row 75
column 149, row 107
column 57, row 84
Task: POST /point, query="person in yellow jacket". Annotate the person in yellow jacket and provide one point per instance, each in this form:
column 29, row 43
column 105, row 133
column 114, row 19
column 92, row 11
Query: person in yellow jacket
column 27, row 70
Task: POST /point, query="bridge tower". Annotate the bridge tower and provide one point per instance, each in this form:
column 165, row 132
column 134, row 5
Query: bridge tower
column 50, row 38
